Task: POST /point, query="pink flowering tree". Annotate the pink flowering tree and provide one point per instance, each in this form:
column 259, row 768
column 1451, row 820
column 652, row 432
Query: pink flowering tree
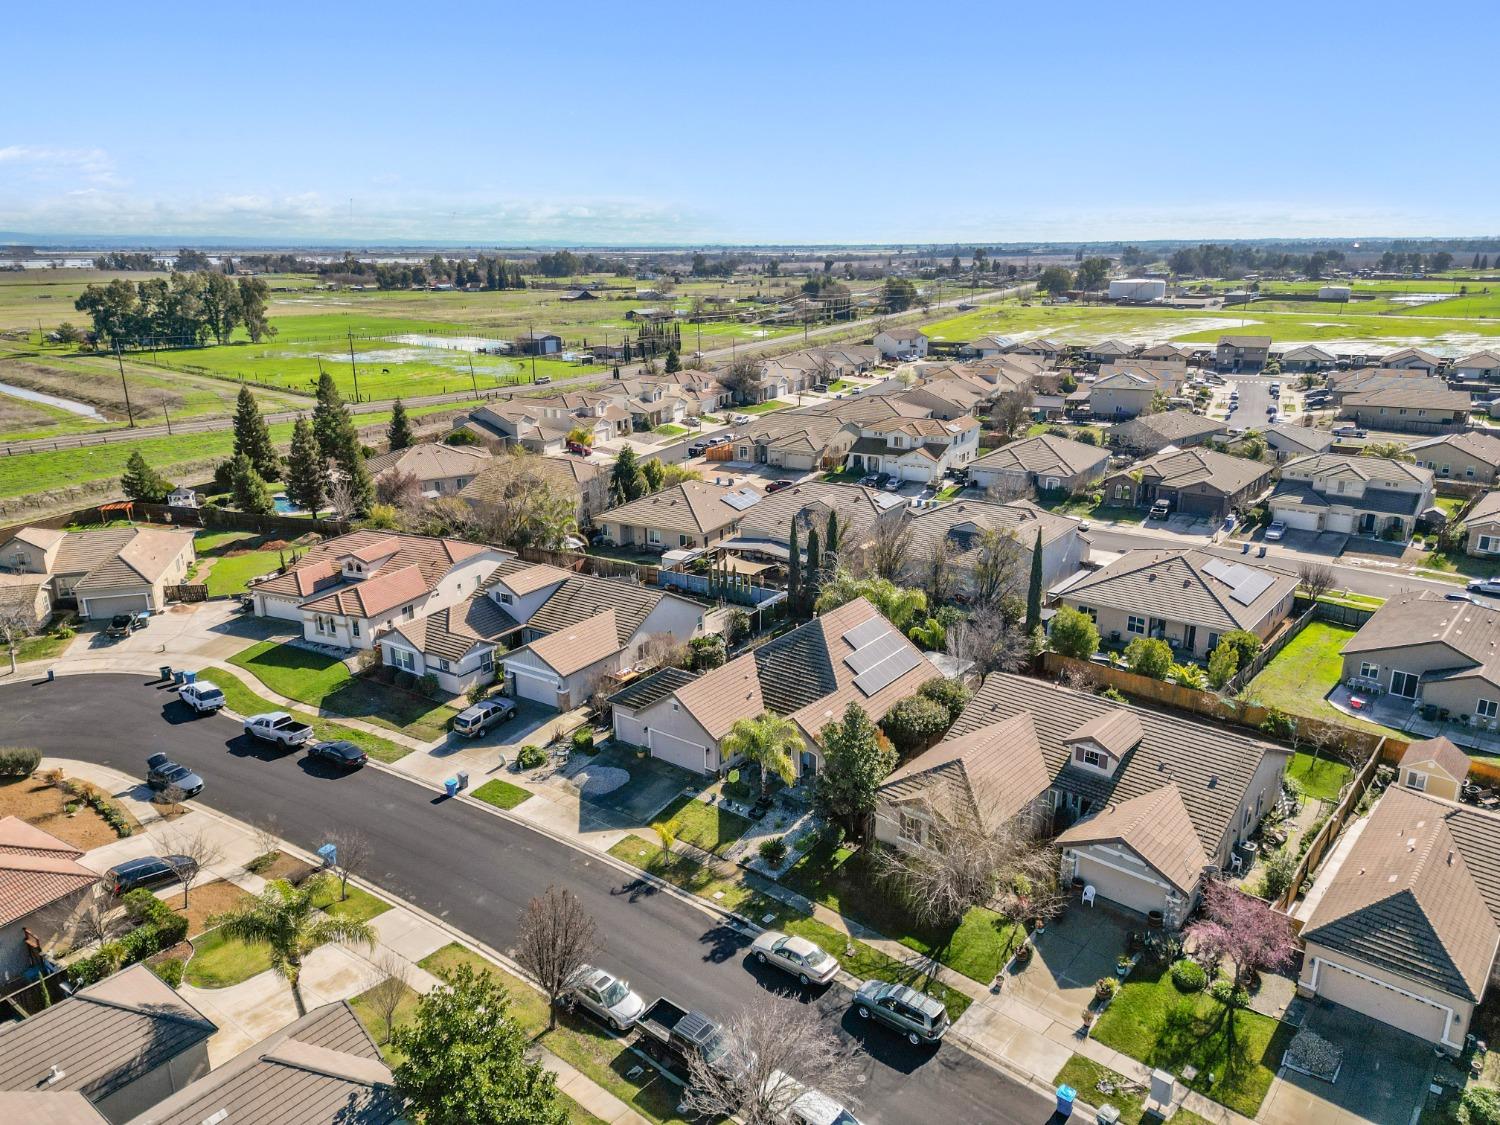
column 1242, row 930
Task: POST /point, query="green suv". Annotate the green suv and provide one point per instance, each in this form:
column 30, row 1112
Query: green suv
column 915, row 1014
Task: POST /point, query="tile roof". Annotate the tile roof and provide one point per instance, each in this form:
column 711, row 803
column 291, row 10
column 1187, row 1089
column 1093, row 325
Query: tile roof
column 1167, row 428
column 1380, row 469
column 1479, row 359
column 1470, row 631
column 991, row 773
column 318, row 573
column 1245, row 341
column 384, row 590
column 1154, row 825
column 810, row 503
column 1297, row 439
column 1218, row 471
column 453, row 631
column 1411, row 395
column 1118, row 731
column 1407, row 897
column 112, row 557
column 49, row 1107
column 960, row 525
column 1181, row 585
column 1486, row 508
column 1044, row 454
column 1440, row 750
column 430, row 461
column 693, row 506
column 103, row 1037
column 529, row 579
column 323, row 1068
column 577, row 646
column 1481, row 446
column 1211, row 766
column 648, row 689
column 36, row 870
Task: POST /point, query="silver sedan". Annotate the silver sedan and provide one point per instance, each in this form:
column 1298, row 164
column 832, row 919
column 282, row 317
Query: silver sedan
column 803, row 959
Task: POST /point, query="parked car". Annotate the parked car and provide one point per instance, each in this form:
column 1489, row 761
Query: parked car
column 1489, row 587
column 916, row 1015
column 606, row 997
column 697, row 448
column 892, row 485
column 278, row 727
column 581, row 450
column 803, row 959
column 882, row 479
column 338, row 752
column 162, row 772
column 149, row 871
column 540, row 379
column 474, row 721
column 1350, row 431
column 1276, row 530
column 869, row 480
column 121, row 625
column 1160, row 510
column 202, row 696
column 673, row 1035
column 809, row 1107
column 778, row 485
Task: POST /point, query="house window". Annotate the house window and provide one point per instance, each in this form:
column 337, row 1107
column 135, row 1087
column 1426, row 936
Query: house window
column 1093, row 613
column 684, row 541
column 409, row 612
column 354, row 626
column 487, row 661
column 1487, row 542
column 1446, row 470
column 911, row 828
column 506, row 599
column 1469, row 472
column 1368, row 671
column 443, row 665
column 1416, row 780
column 403, row 658
column 1135, row 624
column 1487, row 709
column 653, row 535
column 1093, row 758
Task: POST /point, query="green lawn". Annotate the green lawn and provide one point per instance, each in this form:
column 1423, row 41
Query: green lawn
column 325, row 681
column 43, row 647
column 501, row 794
column 1084, row 1075
column 1304, row 672
column 732, row 894
column 670, row 429
column 220, row 961
column 238, row 697
column 1240, row 1050
column 837, row 878
column 762, row 407
column 230, row 574
column 703, row 825
column 1319, row 778
column 360, row 905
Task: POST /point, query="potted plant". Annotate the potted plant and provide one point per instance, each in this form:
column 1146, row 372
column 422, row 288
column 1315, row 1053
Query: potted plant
column 1123, row 964
column 1105, row 989
column 1023, row 955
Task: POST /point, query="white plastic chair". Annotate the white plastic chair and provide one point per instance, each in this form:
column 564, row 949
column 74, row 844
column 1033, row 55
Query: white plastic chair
column 1088, row 895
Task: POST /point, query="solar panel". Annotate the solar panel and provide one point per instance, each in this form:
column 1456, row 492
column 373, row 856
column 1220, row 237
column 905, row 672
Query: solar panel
column 739, row 501
column 1252, row 587
column 888, row 671
column 863, row 659
column 866, row 631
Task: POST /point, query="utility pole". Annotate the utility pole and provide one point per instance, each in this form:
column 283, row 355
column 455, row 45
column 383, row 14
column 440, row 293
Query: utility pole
column 352, row 368
column 129, row 413
column 168, row 417
column 531, row 343
column 473, row 380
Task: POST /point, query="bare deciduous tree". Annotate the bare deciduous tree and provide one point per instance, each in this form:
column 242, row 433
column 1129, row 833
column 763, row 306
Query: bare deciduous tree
column 352, row 853
column 1007, row 488
column 987, row 641
column 885, row 552
column 743, row 376
column 190, row 856
column 398, row 488
column 172, row 796
column 267, row 836
column 1316, row 579
column 341, row 498
column 663, row 650
column 393, row 988
column 1010, row 411
column 780, row 1050
column 965, row 863
column 935, row 571
column 997, row 564
column 557, row 938
column 15, row 626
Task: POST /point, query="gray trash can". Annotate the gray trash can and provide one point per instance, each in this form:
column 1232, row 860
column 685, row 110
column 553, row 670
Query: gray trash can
column 166, row 672
column 179, row 677
column 463, row 779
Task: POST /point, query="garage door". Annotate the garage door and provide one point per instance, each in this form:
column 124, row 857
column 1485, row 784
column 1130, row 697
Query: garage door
column 99, row 609
column 1198, row 505
column 1343, row 522
column 679, row 751
column 628, row 728
column 1357, row 991
column 1120, row 886
column 526, row 684
column 1302, row 521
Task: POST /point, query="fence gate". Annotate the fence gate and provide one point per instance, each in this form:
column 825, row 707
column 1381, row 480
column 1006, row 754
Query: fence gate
column 194, row 592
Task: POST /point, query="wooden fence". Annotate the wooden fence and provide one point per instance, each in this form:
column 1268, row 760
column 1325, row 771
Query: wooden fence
column 1327, row 835
column 217, row 519
column 187, row 592
column 1269, row 652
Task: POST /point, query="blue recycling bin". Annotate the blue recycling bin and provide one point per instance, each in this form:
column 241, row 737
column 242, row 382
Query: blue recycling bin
column 451, row 785
column 192, row 677
column 329, row 854
column 1066, row 1096
column 179, row 677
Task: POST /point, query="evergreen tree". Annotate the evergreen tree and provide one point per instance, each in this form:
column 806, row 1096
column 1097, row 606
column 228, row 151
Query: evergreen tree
column 141, row 482
column 1034, row 591
column 831, row 536
column 252, row 438
column 307, row 472
column 794, row 572
column 328, row 415
column 625, row 482
column 248, row 489
column 856, row 759
column 398, row 433
column 653, row 474
column 350, row 462
column 814, row 577
column 674, row 362
column 338, row 441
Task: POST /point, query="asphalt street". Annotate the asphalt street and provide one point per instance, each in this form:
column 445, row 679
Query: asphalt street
column 477, row 871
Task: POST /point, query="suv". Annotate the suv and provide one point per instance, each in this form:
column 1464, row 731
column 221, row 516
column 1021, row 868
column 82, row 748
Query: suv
column 915, row 1014
column 1160, row 510
column 152, row 871
column 203, row 697
column 474, row 721
column 162, row 772
column 122, row 625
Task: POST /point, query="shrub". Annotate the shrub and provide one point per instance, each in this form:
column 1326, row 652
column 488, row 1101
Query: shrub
column 404, row 679
column 477, row 692
column 530, row 757
column 261, row 862
column 169, row 971
column 773, row 850
column 583, row 740
column 1113, row 695
column 65, row 632
column 915, row 723
column 165, row 931
column 706, row 653
column 428, row 684
column 1074, row 633
column 1225, row 993
column 950, row 693
column 1149, row 656
column 1277, row 874
column 144, row 907
column 1480, row 1105
column 1189, row 976
column 19, row 761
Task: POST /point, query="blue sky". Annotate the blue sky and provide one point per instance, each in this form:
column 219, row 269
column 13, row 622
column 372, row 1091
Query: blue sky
column 763, row 122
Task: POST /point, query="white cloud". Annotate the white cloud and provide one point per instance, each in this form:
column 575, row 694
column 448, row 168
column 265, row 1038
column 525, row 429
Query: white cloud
column 49, row 163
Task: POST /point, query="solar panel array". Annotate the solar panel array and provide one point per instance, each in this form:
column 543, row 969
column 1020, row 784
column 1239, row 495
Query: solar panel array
column 881, row 655
column 866, row 631
column 888, row 671
column 1245, row 583
column 741, row 500
column 867, row 656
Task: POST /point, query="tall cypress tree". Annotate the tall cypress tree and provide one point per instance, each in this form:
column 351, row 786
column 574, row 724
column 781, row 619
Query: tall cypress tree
column 814, row 578
column 398, row 433
column 307, row 472
column 794, row 572
column 1034, row 591
column 328, row 415
column 831, row 537
column 252, row 438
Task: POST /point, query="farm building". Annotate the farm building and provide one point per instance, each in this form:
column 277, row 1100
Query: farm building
column 1137, row 289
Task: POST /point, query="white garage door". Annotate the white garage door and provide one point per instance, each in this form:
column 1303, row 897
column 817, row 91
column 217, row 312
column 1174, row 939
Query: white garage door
column 1120, row 886
column 1303, row 521
column 100, row 609
column 679, row 751
column 628, row 728
column 1357, row 991
column 527, row 684
column 1342, row 522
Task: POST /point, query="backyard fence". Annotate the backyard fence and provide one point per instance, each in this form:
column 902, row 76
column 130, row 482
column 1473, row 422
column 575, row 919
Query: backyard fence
column 1338, row 613
column 737, row 591
column 1353, row 793
column 278, row 524
column 1269, row 652
column 188, row 592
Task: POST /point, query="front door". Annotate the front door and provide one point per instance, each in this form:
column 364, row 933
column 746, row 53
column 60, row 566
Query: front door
column 1404, row 684
column 807, row 769
column 1190, row 638
column 1367, row 523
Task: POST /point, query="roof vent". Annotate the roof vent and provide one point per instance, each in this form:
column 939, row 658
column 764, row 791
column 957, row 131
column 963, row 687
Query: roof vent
column 54, row 1075
column 216, row 1117
column 1411, row 843
column 1450, row 857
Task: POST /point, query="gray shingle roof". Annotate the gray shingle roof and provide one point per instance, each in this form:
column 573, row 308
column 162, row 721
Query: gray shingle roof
column 648, row 689
column 1044, row 454
column 1152, row 431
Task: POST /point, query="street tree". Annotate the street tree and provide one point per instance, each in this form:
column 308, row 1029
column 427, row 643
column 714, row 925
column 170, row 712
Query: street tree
column 856, row 759
column 558, row 937
column 190, row 857
column 1315, row 578
column 16, row 624
column 387, row 994
column 352, row 854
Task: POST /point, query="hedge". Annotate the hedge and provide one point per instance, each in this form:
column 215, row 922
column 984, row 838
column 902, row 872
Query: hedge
column 19, row 761
column 164, row 930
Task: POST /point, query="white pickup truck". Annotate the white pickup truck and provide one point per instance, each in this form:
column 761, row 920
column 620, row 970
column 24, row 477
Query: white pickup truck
column 202, row 696
column 278, row 726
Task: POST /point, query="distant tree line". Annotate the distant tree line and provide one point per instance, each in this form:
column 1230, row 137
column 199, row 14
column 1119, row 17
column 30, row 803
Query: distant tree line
column 1225, row 260
column 1412, row 261
column 182, row 310
column 187, row 260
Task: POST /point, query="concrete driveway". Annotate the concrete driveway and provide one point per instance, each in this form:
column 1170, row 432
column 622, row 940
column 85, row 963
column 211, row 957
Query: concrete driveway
column 212, row 630
column 1072, row 953
column 1384, row 1076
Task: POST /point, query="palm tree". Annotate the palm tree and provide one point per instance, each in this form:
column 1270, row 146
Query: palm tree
column 770, row 741
column 288, row 920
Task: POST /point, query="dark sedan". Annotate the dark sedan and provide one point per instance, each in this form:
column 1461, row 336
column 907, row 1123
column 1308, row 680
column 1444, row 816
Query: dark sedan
column 163, row 774
column 151, row 871
column 343, row 754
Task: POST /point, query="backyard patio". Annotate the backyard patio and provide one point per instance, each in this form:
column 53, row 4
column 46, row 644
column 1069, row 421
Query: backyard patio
column 1408, row 716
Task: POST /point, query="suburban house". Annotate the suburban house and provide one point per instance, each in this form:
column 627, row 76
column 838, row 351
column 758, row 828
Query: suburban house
column 1437, row 653
column 803, row 370
column 766, row 527
column 1473, row 455
column 125, row 1044
column 322, row 1068
column 848, row 655
column 439, row 470
column 1307, row 358
column 1107, row 351
column 951, row 397
column 1148, row 804
column 116, row 570
column 1413, row 359
column 1406, row 928
column 1187, row 598
column 27, row 596
column 1296, row 441
column 538, row 343
column 1151, row 433
column 1352, row 495
column 1124, row 394
column 566, row 632
column 585, row 479
column 1242, row 353
column 919, row 449
column 956, row 533
column 1042, row 346
column 1482, row 526
column 987, row 347
column 1479, row 367
column 542, row 425
column 349, row 590
column 1195, row 482
column 42, row 887
column 901, row 343
column 691, row 514
column 796, row 439
column 1363, row 380
column 1419, row 406
column 1046, row 462
column 1166, row 353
